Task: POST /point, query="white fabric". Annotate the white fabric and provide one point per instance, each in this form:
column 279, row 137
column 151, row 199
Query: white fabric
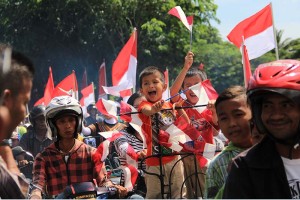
column 292, row 170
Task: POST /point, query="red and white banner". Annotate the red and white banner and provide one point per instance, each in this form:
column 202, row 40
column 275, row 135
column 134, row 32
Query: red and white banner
column 88, row 97
column 122, row 90
column 257, row 31
column 205, row 92
column 107, row 107
column 178, row 12
column 102, row 81
column 68, row 86
column 124, row 67
column 48, row 91
column 246, row 66
column 103, row 148
column 130, row 176
column 190, row 20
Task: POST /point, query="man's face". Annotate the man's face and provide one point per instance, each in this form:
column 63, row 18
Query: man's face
column 40, row 125
column 66, row 126
column 280, row 116
column 17, row 105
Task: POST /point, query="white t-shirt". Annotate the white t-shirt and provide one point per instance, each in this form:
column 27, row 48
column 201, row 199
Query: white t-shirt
column 292, row 170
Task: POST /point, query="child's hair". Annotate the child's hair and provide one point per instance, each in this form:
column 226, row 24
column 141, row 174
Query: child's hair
column 193, row 71
column 231, row 93
column 151, row 70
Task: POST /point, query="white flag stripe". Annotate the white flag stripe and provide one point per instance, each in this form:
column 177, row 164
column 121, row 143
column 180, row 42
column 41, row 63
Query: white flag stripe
column 110, row 107
column 261, row 43
column 105, row 149
column 130, row 75
column 127, row 178
column 138, row 128
column 209, row 151
column 108, row 134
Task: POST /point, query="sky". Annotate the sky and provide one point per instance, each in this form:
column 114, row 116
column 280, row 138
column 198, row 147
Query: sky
column 285, row 14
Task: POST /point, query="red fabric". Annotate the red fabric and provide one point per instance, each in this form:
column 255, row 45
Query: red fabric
column 251, row 26
column 68, row 86
column 246, row 66
column 121, row 65
column 49, row 88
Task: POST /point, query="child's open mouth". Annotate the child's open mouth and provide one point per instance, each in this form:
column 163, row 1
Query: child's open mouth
column 153, row 93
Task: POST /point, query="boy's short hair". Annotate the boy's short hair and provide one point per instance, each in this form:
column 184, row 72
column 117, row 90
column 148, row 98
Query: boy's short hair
column 231, row 93
column 193, row 71
column 151, row 70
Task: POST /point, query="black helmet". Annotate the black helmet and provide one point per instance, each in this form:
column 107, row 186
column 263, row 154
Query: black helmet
column 60, row 106
column 36, row 112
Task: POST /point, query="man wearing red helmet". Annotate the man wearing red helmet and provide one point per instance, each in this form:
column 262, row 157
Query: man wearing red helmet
column 271, row 169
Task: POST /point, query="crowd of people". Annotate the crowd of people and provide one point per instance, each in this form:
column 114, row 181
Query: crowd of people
column 58, row 148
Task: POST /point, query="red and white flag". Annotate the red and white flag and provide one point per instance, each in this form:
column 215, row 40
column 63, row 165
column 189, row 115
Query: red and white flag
column 103, row 148
column 129, row 114
column 246, row 66
column 107, row 107
column 102, row 81
column 124, row 67
column 68, row 86
column 257, row 31
column 88, row 97
column 130, row 176
column 178, row 12
column 190, row 20
column 122, row 90
column 48, row 91
column 205, row 92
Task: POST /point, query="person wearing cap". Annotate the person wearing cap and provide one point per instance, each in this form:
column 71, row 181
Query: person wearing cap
column 271, row 168
column 37, row 137
column 67, row 161
column 24, row 161
column 93, row 117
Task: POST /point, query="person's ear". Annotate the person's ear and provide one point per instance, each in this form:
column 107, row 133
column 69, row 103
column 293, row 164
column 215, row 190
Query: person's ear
column 165, row 86
column 6, row 97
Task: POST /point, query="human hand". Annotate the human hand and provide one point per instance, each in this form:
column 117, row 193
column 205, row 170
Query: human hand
column 22, row 163
column 188, row 60
column 122, row 191
column 142, row 154
column 156, row 107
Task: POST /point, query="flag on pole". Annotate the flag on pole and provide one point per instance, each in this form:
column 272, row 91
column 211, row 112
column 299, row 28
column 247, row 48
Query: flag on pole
column 107, row 107
column 48, row 91
column 178, row 12
column 84, row 79
column 88, row 97
column 124, row 67
column 102, row 81
column 190, row 20
column 68, row 86
column 246, row 66
column 258, row 33
column 49, row 88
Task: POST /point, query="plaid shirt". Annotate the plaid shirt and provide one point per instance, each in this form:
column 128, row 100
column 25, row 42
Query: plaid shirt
column 52, row 173
column 217, row 170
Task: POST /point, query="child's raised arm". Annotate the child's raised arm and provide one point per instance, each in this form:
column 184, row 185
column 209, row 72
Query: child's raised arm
column 151, row 110
column 188, row 61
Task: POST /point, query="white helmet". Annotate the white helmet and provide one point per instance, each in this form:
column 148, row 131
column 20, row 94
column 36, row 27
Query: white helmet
column 60, row 106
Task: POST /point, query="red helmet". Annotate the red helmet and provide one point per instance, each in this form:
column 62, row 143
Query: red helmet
column 281, row 77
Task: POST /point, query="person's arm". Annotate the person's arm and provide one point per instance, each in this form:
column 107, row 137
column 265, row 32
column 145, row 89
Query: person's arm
column 149, row 110
column 188, row 61
column 36, row 194
column 7, row 155
column 38, row 179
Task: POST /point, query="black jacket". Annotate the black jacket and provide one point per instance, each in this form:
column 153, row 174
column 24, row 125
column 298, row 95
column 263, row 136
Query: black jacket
column 258, row 173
